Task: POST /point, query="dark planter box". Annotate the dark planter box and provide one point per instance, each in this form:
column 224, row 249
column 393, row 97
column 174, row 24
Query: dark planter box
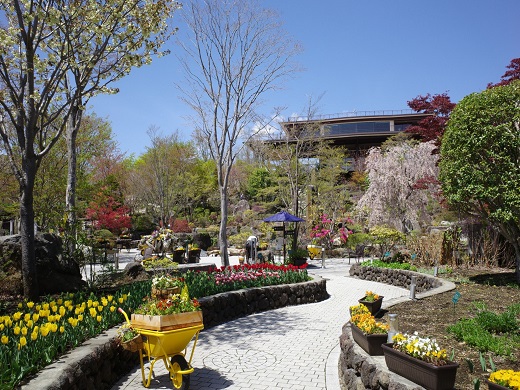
column 371, row 343
column 425, row 374
column 496, row 386
column 374, row 306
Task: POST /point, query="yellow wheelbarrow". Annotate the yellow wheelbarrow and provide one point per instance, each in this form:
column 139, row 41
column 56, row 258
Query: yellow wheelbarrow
column 170, row 346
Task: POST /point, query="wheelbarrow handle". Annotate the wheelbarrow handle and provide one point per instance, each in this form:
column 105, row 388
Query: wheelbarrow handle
column 124, row 313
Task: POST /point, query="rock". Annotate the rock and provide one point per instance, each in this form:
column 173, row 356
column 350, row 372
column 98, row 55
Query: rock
column 55, row 273
column 134, row 269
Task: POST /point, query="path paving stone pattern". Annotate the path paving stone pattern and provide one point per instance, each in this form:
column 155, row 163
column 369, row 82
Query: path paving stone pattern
column 292, row 348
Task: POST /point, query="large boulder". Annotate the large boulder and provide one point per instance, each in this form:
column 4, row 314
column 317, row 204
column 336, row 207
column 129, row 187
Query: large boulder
column 55, row 273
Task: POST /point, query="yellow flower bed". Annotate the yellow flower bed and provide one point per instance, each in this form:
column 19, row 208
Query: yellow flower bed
column 506, row 378
column 364, row 320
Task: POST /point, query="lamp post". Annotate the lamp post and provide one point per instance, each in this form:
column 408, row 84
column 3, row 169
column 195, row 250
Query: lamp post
column 394, row 327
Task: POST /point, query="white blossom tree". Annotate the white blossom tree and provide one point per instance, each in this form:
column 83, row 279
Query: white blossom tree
column 403, row 186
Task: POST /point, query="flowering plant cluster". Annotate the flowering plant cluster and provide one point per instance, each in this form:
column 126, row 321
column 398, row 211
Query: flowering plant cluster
column 243, row 276
column 506, row 378
column 361, row 317
column 323, row 233
column 166, row 281
column 423, row 348
column 39, row 332
column 176, row 303
column 126, row 333
column 371, row 296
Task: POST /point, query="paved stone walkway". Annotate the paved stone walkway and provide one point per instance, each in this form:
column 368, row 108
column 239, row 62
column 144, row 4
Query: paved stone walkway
column 292, row 348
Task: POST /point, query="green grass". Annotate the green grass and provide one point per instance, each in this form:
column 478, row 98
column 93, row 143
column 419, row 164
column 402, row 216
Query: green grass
column 489, row 331
column 384, row 264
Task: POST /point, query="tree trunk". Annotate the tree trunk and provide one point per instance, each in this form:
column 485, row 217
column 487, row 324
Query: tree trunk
column 70, row 197
column 29, row 274
column 223, row 227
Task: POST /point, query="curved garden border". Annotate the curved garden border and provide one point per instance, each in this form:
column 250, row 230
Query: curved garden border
column 357, row 369
column 100, row 362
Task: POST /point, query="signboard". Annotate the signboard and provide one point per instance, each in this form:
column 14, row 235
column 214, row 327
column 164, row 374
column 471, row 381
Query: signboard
column 278, row 228
column 456, row 297
column 289, row 232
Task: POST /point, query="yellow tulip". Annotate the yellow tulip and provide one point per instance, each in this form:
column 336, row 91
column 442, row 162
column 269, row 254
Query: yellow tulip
column 120, row 300
column 17, row 316
column 110, row 298
column 4, row 339
column 46, row 306
column 44, row 330
column 80, row 317
column 29, row 323
column 62, row 329
column 34, row 335
column 35, row 317
column 112, row 309
column 30, row 305
column 20, row 305
column 16, row 330
column 24, row 331
column 93, row 312
column 100, row 308
column 27, row 317
column 89, row 303
column 98, row 318
column 62, row 311
column 23, row 341
column 59, row 301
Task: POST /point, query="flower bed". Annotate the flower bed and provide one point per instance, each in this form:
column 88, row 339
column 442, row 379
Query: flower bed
column 101, row 361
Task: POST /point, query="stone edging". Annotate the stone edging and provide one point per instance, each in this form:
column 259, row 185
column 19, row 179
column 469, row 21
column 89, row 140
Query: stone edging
column 357, row 369
column 100, row 362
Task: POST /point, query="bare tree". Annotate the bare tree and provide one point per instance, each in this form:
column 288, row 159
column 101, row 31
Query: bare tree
column 239, row 53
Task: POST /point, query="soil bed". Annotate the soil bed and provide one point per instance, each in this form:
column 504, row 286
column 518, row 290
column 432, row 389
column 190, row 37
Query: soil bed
column 431, row 317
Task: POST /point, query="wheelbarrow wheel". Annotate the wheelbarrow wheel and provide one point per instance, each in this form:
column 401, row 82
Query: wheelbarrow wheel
column 179, row 381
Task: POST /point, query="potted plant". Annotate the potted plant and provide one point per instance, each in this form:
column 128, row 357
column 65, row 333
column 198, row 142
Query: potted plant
column 504, row 380
column 421, row 360
column 366, row 331
column 298, row 257
column 164, row 285
column 176, row 311
column 129, row 338
column 372, row 301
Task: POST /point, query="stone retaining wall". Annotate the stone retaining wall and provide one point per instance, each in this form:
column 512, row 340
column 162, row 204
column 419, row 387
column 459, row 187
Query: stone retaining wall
column 395, row 277
column 358, row 370
column 100, row 362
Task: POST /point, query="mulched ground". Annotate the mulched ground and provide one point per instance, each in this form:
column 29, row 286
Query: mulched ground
column 431, row 316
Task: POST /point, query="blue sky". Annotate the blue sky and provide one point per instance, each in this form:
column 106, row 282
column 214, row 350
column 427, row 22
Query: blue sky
column 360, row 55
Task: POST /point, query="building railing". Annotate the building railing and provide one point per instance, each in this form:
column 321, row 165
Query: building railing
column 352, row 114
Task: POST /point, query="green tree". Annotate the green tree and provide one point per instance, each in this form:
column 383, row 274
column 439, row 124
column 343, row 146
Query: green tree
column 480, row 160
column 54, row 56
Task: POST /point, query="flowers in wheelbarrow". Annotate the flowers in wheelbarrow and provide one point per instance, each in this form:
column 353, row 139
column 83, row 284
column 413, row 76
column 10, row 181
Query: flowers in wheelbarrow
column 126, row 332
column 165, row 281
column 176, row 303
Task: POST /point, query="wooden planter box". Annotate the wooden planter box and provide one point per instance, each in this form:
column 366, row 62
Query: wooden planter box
column 166, row 322
column 425, row 374
column 374, row 306
column 371, row 343
column 165, row 292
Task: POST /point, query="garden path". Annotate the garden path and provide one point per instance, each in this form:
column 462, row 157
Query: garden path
column 292, row 348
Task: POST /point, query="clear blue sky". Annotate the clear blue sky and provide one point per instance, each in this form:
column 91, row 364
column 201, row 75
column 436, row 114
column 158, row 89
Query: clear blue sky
column 362, row 55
